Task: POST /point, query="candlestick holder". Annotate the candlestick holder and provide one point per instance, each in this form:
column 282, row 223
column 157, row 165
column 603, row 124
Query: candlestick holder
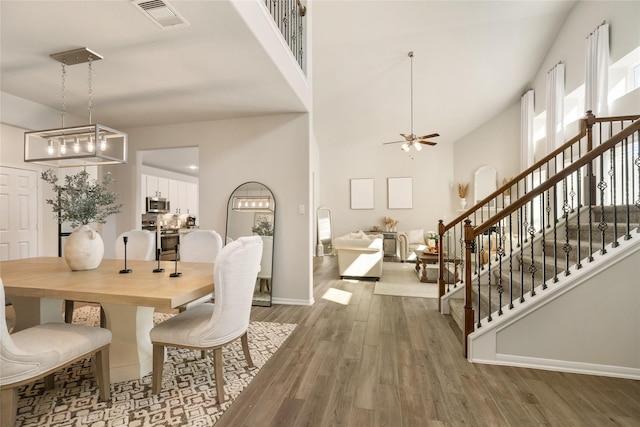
column 126, row 270
column 176, row 273
column 158, row 270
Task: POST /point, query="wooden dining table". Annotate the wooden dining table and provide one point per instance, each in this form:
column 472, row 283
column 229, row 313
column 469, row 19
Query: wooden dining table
column 37, row 286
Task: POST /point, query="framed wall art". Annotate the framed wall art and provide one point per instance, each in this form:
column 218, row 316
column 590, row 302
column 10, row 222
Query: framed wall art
column 400, row 193
column 362, row 193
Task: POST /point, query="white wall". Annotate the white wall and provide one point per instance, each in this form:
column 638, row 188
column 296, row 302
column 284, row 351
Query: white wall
column 273, row 150
column 496, row 143
column 431, row 170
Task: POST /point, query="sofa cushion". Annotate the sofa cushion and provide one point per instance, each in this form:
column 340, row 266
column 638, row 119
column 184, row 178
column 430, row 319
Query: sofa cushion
column 416, row 237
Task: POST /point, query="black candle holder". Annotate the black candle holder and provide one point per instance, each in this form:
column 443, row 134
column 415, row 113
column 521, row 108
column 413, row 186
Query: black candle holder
column 176, row 273
column 126, row 270
column 158, row 270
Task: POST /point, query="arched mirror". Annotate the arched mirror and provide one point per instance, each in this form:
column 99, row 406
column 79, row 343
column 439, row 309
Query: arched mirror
column 251, row 210
column 485, row 182
column 325, row 233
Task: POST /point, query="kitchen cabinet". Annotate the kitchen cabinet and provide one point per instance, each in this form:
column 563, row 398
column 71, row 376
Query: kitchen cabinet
column 182, row 195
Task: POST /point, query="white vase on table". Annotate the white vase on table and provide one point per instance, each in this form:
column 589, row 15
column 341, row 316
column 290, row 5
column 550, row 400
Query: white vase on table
column 84, row 249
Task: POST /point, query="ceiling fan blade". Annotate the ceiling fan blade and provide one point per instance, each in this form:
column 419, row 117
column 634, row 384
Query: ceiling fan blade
column 407, row 137
column 392, row 142
column 428, row 142
column 432, row 135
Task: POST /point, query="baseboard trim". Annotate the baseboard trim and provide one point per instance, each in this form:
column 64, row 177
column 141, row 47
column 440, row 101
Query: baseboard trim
column 563, row 366
column 292, row 301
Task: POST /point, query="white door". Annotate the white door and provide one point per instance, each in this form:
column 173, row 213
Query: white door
column 18, row 213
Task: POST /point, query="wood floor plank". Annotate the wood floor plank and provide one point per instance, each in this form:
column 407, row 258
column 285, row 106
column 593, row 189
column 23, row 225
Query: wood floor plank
column 385, row 360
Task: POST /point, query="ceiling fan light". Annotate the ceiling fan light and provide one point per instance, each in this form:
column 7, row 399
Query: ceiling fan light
column 406, row 147
column 417, row 146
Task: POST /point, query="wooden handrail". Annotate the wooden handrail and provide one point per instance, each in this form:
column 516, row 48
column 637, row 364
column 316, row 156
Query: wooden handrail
column 471, row 232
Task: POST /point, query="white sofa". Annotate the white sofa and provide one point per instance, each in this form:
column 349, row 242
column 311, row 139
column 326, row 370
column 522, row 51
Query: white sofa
column 409, row 241
column 360, row 255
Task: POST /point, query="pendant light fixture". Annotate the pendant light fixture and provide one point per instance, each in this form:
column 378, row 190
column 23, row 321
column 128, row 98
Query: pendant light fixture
column 86, row 145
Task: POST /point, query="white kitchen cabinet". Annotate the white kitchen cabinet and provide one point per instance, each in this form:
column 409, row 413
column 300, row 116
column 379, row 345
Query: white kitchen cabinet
column 192, row 198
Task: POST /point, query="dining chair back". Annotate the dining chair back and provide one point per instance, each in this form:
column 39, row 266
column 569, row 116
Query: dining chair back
column 266, row 264
column 200, row 246
column 141, row 245
column 39, row 351
column 212, row 326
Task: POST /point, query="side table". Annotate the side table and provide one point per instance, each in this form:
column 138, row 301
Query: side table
column 430, row 260
column 389, row 244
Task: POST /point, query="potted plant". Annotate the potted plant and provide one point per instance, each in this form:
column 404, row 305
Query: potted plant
column 82, row 201
column 263, row 227
column 462, row 194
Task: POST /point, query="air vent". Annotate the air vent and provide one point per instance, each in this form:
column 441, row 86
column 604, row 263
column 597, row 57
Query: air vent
column 161, row 13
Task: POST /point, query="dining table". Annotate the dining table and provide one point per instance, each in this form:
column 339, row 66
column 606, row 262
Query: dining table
column 38, row 286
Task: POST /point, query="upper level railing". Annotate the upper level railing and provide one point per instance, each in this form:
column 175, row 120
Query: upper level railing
column 289, row 17
column 550, row 218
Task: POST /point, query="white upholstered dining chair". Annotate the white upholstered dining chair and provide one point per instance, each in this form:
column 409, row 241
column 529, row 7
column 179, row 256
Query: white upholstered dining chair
column 141, row 245
column 199, row 246
column 40, row 351
column 212, row 326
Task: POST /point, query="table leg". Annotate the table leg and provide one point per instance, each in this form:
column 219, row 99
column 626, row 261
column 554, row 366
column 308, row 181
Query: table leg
column 423, row 278
column 32, row 311
column 130, row 356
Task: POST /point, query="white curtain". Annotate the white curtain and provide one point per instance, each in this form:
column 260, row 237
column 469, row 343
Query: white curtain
column 597, row 71
column 555, row 108
column 526, row 130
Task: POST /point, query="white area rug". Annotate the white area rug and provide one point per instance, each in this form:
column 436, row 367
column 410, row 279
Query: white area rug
column 188, row 396
column 400, row 279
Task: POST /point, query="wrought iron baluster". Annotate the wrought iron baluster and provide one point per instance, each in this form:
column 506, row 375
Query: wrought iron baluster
column 489, row 272
column 532, row 266
column 521, row 260
column 614, row 197
column 602, row 225
column 510, row 261
column 543, row 240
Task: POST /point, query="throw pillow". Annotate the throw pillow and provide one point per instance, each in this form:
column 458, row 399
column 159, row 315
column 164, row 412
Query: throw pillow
column 416, row 237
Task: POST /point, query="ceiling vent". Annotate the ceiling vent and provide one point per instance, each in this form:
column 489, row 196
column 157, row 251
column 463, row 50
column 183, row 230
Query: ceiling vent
column 161, row 13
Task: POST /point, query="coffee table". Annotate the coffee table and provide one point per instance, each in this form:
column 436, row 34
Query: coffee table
column 429, row 260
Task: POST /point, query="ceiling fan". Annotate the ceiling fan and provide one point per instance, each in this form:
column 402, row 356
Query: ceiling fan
column 411, row 139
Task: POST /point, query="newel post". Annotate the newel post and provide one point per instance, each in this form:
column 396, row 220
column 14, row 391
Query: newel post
column 589, row 181
column 468, row 303
column 440, row 264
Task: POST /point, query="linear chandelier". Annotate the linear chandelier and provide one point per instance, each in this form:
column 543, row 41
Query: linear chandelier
column 84, row 145
column 252, row 204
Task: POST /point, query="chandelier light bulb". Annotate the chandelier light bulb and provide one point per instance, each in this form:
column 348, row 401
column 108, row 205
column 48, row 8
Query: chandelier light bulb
column 50, row 148
column 76, row 145
column 63, row 147
column 90, row 145
column 103, row 142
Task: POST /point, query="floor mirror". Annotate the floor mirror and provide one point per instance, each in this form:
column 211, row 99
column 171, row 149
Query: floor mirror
column 251, row 210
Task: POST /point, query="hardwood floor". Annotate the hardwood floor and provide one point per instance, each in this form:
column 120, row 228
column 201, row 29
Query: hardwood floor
column 395, row 361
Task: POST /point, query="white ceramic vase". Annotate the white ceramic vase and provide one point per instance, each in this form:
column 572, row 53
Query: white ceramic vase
column 463, row 203
column 84, row 249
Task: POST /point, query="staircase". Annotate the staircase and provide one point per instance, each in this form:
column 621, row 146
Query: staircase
column 513, row 252
column 487, row 296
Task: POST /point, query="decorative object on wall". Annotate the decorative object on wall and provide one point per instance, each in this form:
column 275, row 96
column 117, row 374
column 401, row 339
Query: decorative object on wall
column 463, row 189
column 86, row 145
column 485, row 182
column 411, row 139
column 400, row 193
column 507, row 192
column 362, row 193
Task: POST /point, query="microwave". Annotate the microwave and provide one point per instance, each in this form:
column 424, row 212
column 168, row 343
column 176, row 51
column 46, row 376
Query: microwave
column 157, row 205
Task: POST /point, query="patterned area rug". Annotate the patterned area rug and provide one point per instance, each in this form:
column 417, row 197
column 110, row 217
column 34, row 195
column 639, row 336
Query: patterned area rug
column 188, row 396
column 400, row 279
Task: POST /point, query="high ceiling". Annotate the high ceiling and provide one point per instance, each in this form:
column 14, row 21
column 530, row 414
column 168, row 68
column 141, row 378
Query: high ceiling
column 472, row 60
